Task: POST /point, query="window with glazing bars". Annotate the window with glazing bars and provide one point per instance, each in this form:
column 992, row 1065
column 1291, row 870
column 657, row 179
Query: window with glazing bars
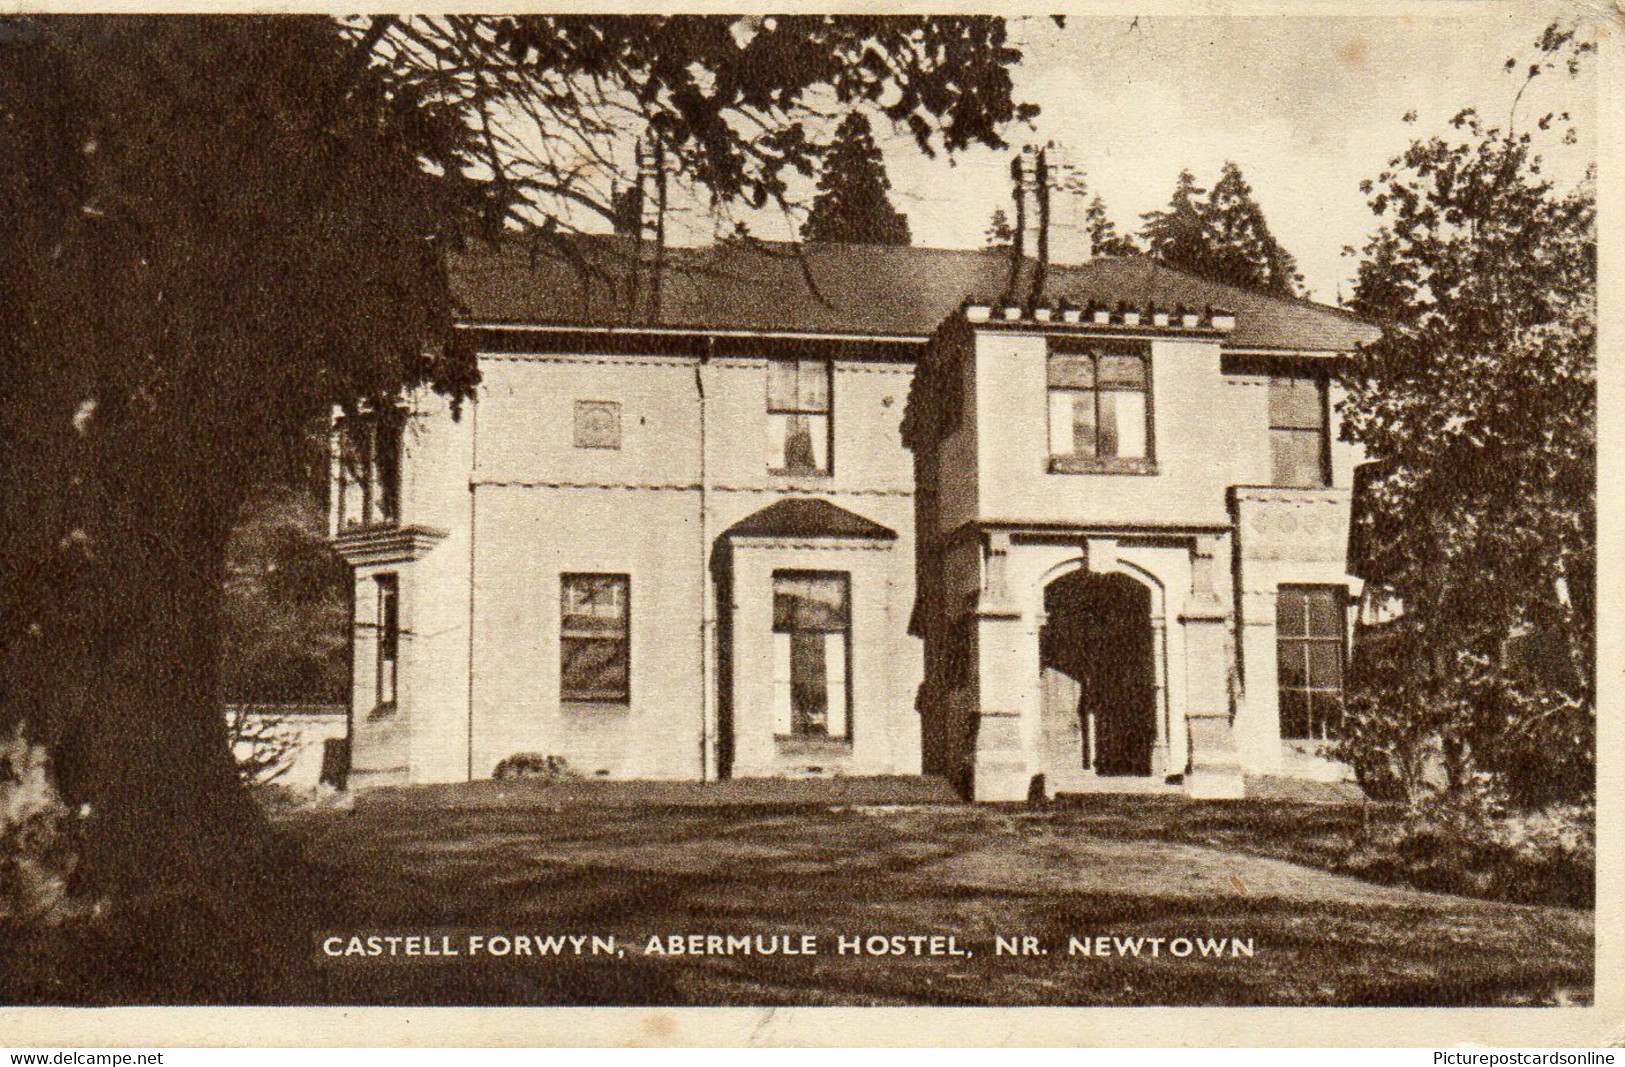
column 1299, row 437
column 812, row 638
column 370, row 448
column 594, row 638
column 389, row 640
column 1099, row 406
column 1310, row 643
column 798, row 416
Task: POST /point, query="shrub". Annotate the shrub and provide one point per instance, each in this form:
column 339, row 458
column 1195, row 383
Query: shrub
column 1558, row 845
column 1473, row 846
column 263, row 744
column 535, row 765
column 39, row 840
column 277, row 799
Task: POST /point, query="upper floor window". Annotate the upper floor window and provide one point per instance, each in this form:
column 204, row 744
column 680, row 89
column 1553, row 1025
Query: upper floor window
column 369, row 485
column 594, row 638
column 812, row 637
column 1300, row 439
column 798, row 416
column 1310, row 639
column 1099, row 407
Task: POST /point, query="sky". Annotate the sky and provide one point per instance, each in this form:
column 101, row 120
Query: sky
column 1307, row 106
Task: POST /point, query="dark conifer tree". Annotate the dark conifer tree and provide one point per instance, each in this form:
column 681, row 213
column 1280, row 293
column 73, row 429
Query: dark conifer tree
column 1221, row 235
column 1244, row 252
column 1104, row 240
column 999, row 233
column 852, row 204
column 1177, row 235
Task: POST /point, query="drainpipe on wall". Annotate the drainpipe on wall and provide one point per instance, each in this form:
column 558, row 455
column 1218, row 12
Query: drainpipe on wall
column 473, row 472
column 708, row 746
column 335, row 525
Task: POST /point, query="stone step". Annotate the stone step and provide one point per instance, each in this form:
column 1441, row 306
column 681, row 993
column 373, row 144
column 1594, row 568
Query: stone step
column 1085, row 782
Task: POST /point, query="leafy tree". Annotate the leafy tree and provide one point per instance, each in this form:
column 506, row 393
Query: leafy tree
column 724, row 101
column 1242, row 250
column 219, row 228
column 852, row 204
column 1177, row 235
column 1479, row 402
column 286, row 616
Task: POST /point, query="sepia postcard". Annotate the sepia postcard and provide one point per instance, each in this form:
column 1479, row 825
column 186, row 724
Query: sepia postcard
column 808, row 528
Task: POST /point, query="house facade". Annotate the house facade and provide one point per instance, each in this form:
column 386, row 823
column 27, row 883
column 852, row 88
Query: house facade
column 767, row 513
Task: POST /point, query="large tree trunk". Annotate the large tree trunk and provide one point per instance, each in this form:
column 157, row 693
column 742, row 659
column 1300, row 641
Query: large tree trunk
column 212, row 231
column 118, row 565
column 147, row 749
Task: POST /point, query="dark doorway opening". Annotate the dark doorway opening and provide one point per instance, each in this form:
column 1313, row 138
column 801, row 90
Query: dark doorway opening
column 1095, row 652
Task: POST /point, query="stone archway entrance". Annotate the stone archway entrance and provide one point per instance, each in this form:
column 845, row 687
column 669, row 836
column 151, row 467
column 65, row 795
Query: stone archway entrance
column 1098, row 672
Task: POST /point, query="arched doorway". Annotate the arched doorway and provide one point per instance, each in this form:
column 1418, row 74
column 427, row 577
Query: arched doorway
column 1099, row 675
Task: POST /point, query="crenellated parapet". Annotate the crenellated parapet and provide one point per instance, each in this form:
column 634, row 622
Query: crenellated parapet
column 1121, row 316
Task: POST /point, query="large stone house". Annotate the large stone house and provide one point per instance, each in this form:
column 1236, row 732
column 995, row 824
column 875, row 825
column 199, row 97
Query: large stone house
column 754, row 511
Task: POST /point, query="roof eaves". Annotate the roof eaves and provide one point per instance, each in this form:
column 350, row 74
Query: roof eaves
column 694, row 331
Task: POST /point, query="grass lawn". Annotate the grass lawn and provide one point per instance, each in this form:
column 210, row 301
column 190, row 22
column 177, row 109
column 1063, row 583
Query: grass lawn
column 531, row 858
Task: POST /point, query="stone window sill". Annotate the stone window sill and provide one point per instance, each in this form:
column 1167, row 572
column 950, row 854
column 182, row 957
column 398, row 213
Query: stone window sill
column 793, row 745
column 589, row 705
column 387, row 544
column 1098, row 465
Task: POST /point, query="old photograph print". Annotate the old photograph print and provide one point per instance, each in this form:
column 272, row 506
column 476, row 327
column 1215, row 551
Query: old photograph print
column 692, row 510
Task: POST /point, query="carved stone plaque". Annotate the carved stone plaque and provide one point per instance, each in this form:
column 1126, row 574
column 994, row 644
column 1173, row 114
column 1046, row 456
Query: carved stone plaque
column 598, row 424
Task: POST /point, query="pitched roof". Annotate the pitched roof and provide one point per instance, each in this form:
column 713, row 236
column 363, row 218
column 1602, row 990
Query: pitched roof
column 847, row 289
column 809, row 517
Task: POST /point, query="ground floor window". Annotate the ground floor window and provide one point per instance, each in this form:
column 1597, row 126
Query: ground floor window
column 812, row 637
column 389, row 639
column 594, row 638
column 1311, row 638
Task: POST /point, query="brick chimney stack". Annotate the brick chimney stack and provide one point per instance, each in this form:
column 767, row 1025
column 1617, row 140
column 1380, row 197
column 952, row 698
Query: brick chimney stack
column 652, row 187
column 1024, row 240
column 1068, row 229
column 1028, row 191
column 1050, row 220
column 640, row 213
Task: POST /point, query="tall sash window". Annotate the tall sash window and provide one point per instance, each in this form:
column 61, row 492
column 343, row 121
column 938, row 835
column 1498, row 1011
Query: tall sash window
column 812, row 640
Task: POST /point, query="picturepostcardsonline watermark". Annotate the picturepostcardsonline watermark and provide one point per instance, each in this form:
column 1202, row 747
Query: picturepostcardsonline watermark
column 637, row 711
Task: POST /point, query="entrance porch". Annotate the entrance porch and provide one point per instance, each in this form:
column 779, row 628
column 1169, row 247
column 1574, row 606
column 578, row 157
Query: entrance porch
column 1101, row 665
column 1104, row 663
